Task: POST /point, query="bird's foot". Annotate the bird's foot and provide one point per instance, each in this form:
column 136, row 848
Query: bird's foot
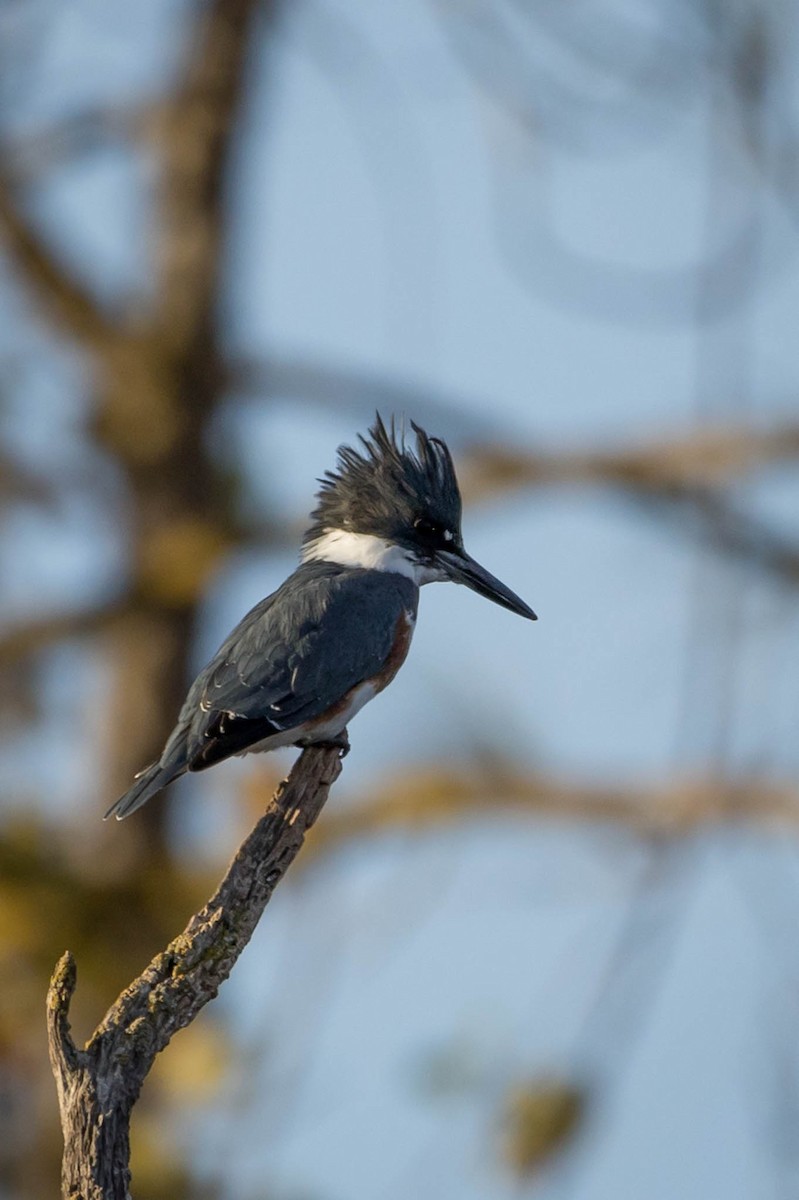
column 340, row 742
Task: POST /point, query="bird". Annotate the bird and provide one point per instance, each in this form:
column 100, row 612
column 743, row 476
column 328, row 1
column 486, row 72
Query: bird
column 307, row 658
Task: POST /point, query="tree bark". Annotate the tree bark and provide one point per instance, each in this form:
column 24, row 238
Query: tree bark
column 98, row 1085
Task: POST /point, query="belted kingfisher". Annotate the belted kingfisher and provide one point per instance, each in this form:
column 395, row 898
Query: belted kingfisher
column 302, row 663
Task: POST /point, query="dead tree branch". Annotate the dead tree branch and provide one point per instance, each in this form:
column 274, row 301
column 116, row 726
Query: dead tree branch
column 98, row 1085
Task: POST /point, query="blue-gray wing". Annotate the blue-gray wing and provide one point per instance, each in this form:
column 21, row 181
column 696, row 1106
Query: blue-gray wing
column 292, row 657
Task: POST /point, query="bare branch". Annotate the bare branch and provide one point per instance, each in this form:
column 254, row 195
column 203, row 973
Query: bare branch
column 98, row 1086
column 64, row 1056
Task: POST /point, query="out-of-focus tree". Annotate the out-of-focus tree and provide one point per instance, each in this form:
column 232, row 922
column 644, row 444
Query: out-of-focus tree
column 151, row 363
column 153, row 359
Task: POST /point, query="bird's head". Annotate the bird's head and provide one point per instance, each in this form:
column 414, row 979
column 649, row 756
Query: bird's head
column 392, row 508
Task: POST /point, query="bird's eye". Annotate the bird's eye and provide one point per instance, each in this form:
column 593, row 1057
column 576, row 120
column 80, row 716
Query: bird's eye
column 426, row 528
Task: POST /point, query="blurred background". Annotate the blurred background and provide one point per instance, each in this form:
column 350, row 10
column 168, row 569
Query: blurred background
column 543, row 941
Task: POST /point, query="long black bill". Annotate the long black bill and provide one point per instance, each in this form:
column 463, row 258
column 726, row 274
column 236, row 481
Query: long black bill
column 461, row 568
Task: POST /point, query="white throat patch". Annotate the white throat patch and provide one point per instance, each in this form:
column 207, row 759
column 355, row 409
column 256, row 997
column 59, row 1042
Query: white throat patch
column 370, row 553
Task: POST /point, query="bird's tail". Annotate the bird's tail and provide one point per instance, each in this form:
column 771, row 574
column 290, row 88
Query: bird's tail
column 148, row 783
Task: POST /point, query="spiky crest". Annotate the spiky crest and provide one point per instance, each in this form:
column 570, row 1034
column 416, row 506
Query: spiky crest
column 385, row 487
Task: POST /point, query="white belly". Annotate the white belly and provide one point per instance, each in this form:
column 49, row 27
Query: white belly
column 317, row 733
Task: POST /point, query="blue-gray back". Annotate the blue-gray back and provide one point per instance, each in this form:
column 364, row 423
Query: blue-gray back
column 324, row 631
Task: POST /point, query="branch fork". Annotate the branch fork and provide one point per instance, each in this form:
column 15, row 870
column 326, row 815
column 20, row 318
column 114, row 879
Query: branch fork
column 99, row 1084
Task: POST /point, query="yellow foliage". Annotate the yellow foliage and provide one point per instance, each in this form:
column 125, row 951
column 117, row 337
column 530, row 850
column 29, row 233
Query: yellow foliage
column 140, row 418
column 193, row 1068
column 48, row 903
column 538, row 1119
column 159, row 1172
column 177, row 559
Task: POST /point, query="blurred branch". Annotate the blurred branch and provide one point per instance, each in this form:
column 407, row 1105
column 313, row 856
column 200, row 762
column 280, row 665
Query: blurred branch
column 681, row 475
column 156, row 374
column 506, row 48
column 19, row 482
column 354, row 390
column 199, row 128
column 737, row 533
column 98, row 1085
column 704, row 458
column 684, row 477
column 28, row 638
column 436, row 797
column 30, row 156
column 61, row 298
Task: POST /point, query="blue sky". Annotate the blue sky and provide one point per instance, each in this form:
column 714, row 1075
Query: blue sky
column 607, row 267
